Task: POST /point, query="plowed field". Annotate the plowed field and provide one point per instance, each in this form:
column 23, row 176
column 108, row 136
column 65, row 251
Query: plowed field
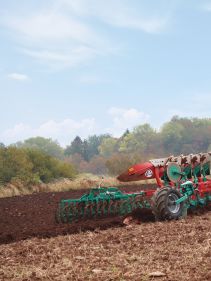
column 164, row 251
column 33, row 215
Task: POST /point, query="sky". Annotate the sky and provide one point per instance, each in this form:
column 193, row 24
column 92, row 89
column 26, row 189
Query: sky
column 84, row 67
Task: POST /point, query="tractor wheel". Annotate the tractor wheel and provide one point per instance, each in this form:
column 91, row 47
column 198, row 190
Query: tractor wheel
column 163, row 204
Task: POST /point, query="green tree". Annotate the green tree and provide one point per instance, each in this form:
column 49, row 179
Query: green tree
column 172, row 134
column 76, row 147
column 47, row 168
column 15, row 164
column 31, row 166
column 48, row 146
column 186, row 135
column 139, row 140
column 108, row 146
column 93, row 144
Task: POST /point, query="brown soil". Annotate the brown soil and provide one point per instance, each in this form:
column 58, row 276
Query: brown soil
column 164, row 251
column 33, row 215
column 172, row 251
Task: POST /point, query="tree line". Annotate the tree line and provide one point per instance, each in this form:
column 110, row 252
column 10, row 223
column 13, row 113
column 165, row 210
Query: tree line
column 103, row 154
column 113, row 155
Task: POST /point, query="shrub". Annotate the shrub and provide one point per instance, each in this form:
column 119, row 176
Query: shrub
column 31, row 166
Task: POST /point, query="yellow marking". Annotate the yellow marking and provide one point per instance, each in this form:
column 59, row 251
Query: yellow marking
column 131, row 170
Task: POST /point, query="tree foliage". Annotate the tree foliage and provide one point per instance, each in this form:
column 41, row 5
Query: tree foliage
column 86, row 148
column 76, row 147
column 31, row 166
column 48, row 146
column 179, row 135
column 104, row 153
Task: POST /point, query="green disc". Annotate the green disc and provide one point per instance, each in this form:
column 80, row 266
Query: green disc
column 174, row 172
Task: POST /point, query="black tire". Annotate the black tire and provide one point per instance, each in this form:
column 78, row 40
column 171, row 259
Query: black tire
column 163, row 206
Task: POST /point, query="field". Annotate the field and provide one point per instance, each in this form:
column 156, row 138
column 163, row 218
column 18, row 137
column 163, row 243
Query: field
column 84, row 180
column 34, row 247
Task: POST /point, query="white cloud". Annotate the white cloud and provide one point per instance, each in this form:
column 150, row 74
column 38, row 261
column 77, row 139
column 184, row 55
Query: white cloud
column 18, row 76
column 207, row 7
column 60, row 58
column 195, row 105
column 56, row 38
column 64, row 33
column 51, row 26
column 119, row 13
column 125, row 118
column 63, row 131
column 17, row 131
column 66, row 130
column 148, row 25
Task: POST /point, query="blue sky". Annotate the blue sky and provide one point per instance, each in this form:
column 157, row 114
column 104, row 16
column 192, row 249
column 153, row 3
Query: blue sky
column 83, row 67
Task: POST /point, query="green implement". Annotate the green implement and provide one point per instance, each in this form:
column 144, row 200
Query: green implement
column 100, row 202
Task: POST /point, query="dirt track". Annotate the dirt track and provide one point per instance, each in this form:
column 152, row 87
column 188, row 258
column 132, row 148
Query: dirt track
column 33, row 215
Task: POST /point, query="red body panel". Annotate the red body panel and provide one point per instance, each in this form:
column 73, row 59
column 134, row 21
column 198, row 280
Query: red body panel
column 138, row 172
column 147, row 171
column 204, row 187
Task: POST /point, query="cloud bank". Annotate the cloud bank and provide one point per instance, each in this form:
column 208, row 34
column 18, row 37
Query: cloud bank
column 66, row 130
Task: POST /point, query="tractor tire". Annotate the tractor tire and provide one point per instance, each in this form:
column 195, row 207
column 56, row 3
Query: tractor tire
column 163, row 206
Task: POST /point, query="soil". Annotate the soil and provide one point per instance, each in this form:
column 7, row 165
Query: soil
column 23, row 217
column 164, row 251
